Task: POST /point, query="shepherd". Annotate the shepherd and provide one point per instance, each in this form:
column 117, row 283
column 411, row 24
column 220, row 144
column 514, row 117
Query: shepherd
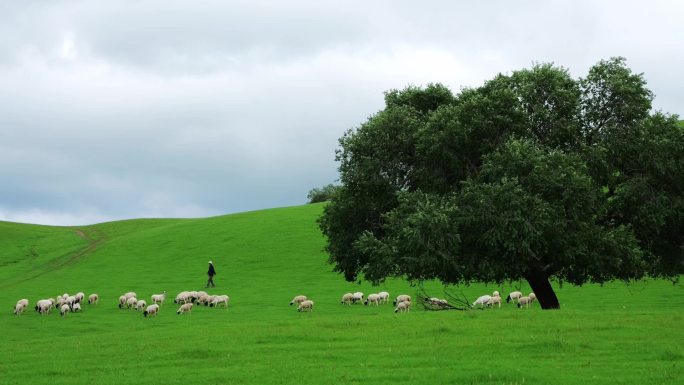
column 211, row 273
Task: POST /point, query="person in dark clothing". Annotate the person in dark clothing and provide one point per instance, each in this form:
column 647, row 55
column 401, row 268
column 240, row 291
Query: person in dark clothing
column 211, row 273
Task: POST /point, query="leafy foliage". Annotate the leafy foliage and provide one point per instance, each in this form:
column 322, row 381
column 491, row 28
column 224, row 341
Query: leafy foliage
column 534, row 175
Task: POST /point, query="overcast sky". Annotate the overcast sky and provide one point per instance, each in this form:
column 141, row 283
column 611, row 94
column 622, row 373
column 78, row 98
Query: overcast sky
column 130, row 109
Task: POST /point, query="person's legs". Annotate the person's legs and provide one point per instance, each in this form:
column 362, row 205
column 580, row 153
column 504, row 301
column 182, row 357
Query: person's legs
column 211, row 281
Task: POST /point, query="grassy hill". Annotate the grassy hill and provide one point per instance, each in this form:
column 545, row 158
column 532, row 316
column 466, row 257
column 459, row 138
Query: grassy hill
column 616, row 333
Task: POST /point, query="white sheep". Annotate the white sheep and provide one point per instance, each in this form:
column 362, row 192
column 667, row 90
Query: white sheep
column 347, row 299
column 183, row 297
column 64, row 310
column 159, row 298
column 219, row 299
column 122, row 301
column 23, row 302
column 131, row 302
column 513, row 296
column 130, row 294
column 495, row 300
column 373, row 298
column 532, row 296
column 44, row 305
column 358, row 297
column 482, row 300
column 401, row 298
column 140, row 305
column 76, row 307
column 297, row 300
column 306, row 305
column 19, row 308
column 496, row 294
column 524, row 301
column 403, row 307
column 93, row 299
column 151, row 310
column 185, row 308
column 79, row 296
column 384, row 297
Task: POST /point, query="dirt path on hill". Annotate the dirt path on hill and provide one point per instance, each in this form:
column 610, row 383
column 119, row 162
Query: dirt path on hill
column 95, row 239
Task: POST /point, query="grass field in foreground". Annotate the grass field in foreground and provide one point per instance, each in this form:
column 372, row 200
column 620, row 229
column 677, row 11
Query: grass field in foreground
column 617, row 333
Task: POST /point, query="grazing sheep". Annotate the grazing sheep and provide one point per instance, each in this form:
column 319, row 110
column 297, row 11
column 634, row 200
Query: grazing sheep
column 185, row 308
column 401, row 298
column 183, row 297
column 44, row 305
column 151, row 310
column 298, row 300
column 93, row 299
column 347, row 299
column 79, row 297
column 71, row 300
column 513, row 296
column 524, row 301
column 205, row 299
column 219, row 299
column 403, row 307
column 140, row 305
column 358, row 297
column 384, row 297
column 64, row 310
column 373, row 298
column 495, row 294
column 131, row 302
column 159, row 298
column 23, row 302
column 306, row 305
column 76, row 307
column 532, row 296
column 483, row 301
column 122, row 301
column 495, row 300
column 19, row 308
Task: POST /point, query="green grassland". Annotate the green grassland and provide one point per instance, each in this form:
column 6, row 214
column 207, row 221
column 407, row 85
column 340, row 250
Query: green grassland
column 617, row 333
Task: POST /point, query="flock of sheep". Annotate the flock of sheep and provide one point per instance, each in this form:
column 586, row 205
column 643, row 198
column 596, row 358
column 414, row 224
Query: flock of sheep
column 72, row 303
column 187, row 299
column 495, row 299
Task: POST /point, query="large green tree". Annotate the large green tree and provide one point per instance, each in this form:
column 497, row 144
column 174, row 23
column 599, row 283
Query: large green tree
column 534, row 175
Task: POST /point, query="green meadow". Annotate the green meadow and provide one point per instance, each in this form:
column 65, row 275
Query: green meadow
column 612, row 334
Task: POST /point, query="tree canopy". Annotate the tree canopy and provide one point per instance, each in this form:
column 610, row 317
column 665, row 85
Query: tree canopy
column 534, row 175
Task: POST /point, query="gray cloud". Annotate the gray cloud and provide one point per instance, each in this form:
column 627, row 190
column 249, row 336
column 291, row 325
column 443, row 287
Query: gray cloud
column 167, row 109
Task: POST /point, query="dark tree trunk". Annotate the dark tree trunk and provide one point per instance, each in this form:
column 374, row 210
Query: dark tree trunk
column 539, row 282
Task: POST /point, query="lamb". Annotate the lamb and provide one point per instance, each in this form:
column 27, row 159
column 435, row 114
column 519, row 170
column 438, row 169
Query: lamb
column 159, row 298
column 306, row 305
column 76, row 307
column 151, row 310
column 220, row 299
column 495, row 300
column 373, row 298
column 64, row 310
column 185, row 308
column 347, row 299
column 358, row 297
column 93, row 299
column 483, row 301
column 524, row 301
column 298, row 300
column 532, row 296
column 401, row 298
column 513, row 296
column 140, row 305
column 403, row 307
column 384, row 296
